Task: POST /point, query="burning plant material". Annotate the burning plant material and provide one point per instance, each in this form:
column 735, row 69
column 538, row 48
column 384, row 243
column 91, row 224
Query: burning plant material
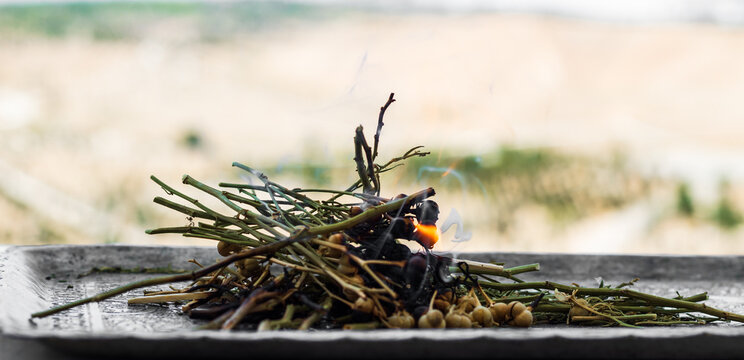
column 292, row 261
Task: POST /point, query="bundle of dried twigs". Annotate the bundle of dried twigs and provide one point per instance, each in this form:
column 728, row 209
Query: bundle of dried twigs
column 293, row 261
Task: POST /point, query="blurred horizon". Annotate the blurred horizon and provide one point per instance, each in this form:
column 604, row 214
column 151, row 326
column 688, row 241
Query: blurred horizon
column 728, row 12
column 553, row 126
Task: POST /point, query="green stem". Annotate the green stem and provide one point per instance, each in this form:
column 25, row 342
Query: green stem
column 674, row 322
column 296, row 205
column 495, row 270
column 262, row 250
column 651, row 299
column 623, row 318
column 269, row 190
column 697, row 297
column 182, row 209
column 522, row 269
column 245, row 308
column 285, row 321
column 218, row 216
column 220, row 238
column 564, row 308
column 694, row 298
column 371, row 213
column 316, row 315
column 296, row 194
column 217, row 322
column 259, row 219
column 657, row 300
column 244, row 200
column 169, row 230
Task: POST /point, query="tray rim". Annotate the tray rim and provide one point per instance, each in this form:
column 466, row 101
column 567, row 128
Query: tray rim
column 379, row 335
column 9, row 248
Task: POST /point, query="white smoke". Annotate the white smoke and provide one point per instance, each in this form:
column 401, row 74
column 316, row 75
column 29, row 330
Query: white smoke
column 454, row 218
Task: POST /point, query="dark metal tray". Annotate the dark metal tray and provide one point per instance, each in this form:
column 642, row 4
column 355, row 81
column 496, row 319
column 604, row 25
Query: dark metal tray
column 35, row 278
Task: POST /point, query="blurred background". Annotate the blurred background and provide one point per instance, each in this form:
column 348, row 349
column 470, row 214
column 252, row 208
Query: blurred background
column 556, row 126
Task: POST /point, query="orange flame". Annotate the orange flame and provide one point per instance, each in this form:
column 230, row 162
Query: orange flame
column 428, row 234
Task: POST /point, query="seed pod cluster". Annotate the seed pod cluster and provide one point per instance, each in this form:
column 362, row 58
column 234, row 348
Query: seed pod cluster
column 332, row 252
column 249, row 267
column 518, row 314
column 466, row 311
column 365, row 305
column 457, row 319
column 499, row 312
column 578, row 309
column 432, row 319
column 480, row 314
column 401, row 319
column 346, row 267
column 226, row 249
column 466, row 303
column 443, row 301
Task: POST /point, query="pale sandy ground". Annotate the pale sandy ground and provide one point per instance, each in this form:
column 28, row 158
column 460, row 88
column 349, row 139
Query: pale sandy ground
column 92, row 120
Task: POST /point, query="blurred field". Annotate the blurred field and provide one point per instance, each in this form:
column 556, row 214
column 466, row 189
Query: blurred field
column 546, row 134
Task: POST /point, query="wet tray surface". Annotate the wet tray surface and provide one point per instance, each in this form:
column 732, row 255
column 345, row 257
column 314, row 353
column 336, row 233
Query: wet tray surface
column 35, row 278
